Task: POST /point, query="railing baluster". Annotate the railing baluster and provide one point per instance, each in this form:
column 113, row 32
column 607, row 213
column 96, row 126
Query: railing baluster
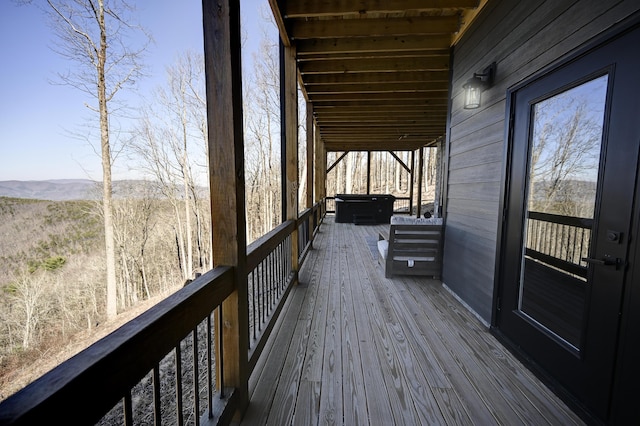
column 253, row 291
column 561, row 240
column 210, row 343
column 220, row 352
column 196, row 385
column 582, row 250
column 281, row 265
column 264, row 290
column 272, row 267
column 180, row 418
column 128, row 409
column 157, row 408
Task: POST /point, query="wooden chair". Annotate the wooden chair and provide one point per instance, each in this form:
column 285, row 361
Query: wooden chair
column 411, row 250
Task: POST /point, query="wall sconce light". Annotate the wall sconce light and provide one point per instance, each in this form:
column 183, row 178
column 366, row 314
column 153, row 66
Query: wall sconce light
column 476, row 85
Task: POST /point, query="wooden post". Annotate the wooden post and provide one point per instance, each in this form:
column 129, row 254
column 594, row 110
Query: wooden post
column 310, row 155
column 319, row 169
column 310, row 186
column 438, row 193
column 420, row 174
column 289, row 136
column 221, row 22
column 320, row 175
column 368, row 172
column 411, row 181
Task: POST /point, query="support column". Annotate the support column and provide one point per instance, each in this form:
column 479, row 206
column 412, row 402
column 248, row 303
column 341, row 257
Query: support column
column 221, row 22
column 321, row 170
column 289, row 142
column 368, row 172
column 420, row 177
column 437, row 203
column 310, row 186
column 319, row 166
column 310, row 156
column 412, row 181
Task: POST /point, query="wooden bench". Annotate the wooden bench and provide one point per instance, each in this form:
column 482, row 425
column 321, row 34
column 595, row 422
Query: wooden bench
column 411, row 249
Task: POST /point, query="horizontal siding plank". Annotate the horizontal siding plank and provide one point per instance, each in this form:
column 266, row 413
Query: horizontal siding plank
column 488, row 172
column 491, row 134
column 486, row 154
column 550, row 41
column 475, row 227
column 468, row 267
column 480, row 191
column 474, row 208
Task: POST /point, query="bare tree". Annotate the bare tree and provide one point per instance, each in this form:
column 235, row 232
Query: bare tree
column 96, row 36
column 262, row 153
column 28, row 293
column 565, row 156
column 172, row 131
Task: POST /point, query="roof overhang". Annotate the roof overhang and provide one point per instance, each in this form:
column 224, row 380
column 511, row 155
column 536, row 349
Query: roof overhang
column 376, row 72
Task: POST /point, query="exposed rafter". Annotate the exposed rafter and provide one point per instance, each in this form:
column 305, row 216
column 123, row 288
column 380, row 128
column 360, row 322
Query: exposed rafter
column 375, row 71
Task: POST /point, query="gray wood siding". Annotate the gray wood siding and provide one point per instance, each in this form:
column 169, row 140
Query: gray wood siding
column 522, row 37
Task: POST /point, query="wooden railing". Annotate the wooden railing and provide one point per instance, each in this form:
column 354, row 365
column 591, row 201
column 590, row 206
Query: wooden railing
column 160, row 367
column 269, row 279
column 559, row 241
column 85, row 388
column 330, row 204
column 271, row 274
column 402, row 205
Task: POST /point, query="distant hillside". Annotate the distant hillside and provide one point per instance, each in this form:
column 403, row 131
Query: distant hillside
column 55, row 190
column 72, row 189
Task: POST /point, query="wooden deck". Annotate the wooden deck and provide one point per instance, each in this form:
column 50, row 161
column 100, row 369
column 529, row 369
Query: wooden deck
column 355, row 348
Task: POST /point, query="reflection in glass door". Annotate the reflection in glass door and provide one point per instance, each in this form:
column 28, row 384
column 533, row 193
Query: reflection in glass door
column 564, row 157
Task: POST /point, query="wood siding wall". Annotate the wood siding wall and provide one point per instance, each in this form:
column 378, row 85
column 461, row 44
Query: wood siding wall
column 522, row 37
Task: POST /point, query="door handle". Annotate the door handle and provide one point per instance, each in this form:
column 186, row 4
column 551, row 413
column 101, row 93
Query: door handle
column 607, row 261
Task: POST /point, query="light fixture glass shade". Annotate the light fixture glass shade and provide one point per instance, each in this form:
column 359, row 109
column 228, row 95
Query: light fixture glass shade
column 472, row 92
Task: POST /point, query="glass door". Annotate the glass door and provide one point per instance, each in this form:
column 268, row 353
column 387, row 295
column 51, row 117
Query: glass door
column 569, row 199
column 565, row 147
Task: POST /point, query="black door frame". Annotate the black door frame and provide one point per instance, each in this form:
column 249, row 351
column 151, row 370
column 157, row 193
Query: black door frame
column 626, row 388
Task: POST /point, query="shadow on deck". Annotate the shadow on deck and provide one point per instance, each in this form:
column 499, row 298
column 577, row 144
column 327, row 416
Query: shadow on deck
column 352, row 347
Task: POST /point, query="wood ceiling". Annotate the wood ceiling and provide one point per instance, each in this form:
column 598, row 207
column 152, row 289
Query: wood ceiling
column 375, row 71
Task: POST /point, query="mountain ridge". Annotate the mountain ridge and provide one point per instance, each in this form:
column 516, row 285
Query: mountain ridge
column 66, row 189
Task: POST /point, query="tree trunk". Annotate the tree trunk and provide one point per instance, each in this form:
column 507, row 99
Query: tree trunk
column 107, row 187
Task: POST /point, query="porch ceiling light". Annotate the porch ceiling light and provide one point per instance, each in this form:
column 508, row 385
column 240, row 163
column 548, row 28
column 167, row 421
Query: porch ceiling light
column 474, row 87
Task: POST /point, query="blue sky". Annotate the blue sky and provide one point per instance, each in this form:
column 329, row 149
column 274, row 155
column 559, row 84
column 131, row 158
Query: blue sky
column 38, row 119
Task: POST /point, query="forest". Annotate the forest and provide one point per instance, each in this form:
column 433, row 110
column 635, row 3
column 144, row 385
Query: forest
column 53, row 257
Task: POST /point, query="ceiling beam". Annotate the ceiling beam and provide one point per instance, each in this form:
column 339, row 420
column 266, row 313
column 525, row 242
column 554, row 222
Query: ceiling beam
column 377, row 77
column 309, row 8
column 406, row 103
column 358, row 131
column 379, row 96
column 375, row 55
column 335, row 120
column 389, row 106
column 431, row 63
column 378, row 145
column 426, row 86
column 429, row 42
column 335, row 28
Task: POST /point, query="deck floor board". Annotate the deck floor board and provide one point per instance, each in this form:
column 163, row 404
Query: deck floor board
column 355, row 348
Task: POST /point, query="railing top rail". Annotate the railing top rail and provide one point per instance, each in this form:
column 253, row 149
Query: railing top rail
column 260, row 248
column 306, row 213
column 579, row 222
column 117, row 362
